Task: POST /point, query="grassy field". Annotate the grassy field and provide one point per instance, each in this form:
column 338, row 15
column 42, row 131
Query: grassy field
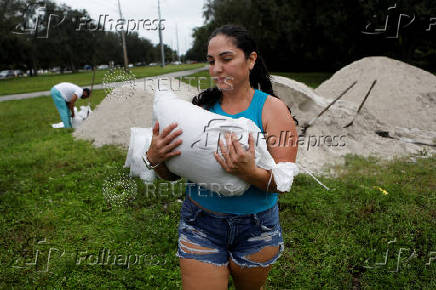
column 311, row 79
column 46, row 82
column 58, row 230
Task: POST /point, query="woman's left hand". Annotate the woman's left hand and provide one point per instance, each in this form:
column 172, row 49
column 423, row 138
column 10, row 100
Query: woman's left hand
column 237, row 160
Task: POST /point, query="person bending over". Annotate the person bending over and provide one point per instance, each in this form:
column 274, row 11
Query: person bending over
column 65, row 96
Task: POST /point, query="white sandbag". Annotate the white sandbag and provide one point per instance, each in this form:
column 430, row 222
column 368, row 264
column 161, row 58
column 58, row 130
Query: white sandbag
column 140, row 139
column 201, row 131
column 79, row 117
column 83, row 113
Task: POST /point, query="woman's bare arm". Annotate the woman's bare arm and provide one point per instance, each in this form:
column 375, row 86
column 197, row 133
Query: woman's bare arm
column 281, row 135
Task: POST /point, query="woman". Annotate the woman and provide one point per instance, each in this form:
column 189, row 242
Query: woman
column 241, row 235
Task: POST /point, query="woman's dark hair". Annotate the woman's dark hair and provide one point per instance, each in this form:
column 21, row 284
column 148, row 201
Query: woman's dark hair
column 259, row 75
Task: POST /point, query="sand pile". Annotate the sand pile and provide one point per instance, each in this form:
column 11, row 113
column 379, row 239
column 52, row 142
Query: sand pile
column 112, row 119
column 404, row 95
column 400, row 107
column 402, row 103
column 326, row 141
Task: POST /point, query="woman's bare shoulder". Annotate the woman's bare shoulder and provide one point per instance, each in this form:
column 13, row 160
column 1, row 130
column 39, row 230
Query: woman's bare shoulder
column 274, row 110
column 275, row 104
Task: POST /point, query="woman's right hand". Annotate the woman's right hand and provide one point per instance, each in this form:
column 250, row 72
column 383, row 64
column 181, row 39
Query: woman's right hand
column 162, row 147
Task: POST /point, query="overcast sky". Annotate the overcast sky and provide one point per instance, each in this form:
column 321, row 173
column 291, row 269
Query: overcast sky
column 186, row 14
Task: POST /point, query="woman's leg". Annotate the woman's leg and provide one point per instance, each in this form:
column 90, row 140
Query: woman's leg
column 259, row 245
column 201, row 275
column 253, row 277
column 202, row 249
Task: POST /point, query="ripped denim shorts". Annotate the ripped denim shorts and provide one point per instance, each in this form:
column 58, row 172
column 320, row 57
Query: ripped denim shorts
column 217, row 238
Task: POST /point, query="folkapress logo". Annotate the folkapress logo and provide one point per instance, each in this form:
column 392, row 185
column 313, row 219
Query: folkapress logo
column 395, row 21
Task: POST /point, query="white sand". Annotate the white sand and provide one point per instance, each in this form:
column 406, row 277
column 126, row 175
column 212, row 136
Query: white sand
column 112, row 119
column 402, row 103
column 404, row 95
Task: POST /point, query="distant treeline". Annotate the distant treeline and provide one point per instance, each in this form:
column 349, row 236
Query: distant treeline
column 42, row 35
column 319, row 35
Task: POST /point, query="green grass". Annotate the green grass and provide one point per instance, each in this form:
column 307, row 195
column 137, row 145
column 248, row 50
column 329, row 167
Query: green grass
column 46, row 82
column 51, row 188
column 311, row 79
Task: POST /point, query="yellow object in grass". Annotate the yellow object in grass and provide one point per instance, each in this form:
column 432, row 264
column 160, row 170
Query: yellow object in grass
column 381, row 189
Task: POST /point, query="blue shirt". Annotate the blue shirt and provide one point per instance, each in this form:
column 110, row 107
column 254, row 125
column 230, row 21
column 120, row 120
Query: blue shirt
column 253, row 200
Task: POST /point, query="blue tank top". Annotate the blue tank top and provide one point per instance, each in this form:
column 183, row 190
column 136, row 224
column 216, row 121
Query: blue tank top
column 253, row 200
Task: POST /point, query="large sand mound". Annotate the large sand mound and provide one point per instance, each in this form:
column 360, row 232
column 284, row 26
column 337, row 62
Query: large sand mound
column 404, row 95
column 327, row 141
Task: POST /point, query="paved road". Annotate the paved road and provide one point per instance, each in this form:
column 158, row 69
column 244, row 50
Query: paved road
column 99, row 86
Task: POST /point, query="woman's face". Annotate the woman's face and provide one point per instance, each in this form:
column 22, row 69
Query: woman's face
column 227, row 63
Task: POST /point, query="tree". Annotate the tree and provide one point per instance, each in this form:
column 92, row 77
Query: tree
column 63, row 37
column 312, row 35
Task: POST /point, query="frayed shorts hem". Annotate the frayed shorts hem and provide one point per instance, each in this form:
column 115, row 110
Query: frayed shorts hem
column 251, row 264
column 203, row 260
column 242, row 265
column 229, row 237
